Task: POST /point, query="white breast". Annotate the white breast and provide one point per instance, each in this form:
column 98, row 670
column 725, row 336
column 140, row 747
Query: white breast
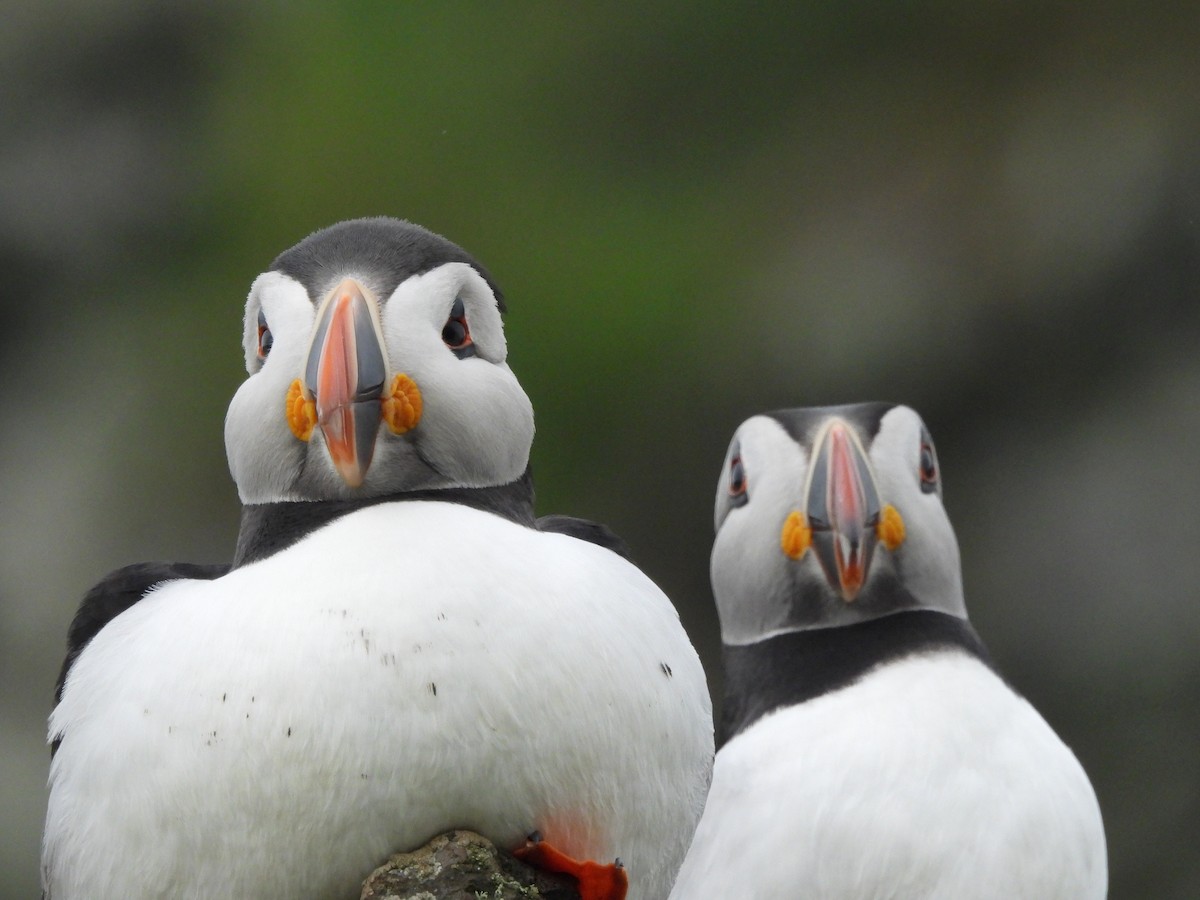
column 927, row 779
column 408, row 669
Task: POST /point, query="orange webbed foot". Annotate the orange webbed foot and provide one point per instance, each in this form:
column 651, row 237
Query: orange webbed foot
column 596, row 881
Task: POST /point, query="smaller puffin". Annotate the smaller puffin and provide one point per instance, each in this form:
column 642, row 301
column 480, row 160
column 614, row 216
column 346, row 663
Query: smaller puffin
column 869, row 748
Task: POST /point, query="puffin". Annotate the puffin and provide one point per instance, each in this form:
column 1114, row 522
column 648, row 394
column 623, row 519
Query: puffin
column 868, row 746
column 399, row 647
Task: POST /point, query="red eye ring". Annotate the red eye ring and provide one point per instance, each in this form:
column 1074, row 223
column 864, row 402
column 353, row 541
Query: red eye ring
column 737, row 477
column 456, row 333
column 928, row 467
column 265, row 339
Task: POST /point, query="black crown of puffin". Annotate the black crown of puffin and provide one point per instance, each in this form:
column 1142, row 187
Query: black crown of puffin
column 342, row 389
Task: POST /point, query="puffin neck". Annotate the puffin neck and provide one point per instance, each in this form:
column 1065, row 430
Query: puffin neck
column 267, row 528
column 788, row 669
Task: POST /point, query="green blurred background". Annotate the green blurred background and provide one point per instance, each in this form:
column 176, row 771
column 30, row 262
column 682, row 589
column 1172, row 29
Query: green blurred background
column 990, row 211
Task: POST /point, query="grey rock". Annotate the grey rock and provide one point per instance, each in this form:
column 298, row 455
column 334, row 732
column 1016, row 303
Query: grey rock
column 463, row 865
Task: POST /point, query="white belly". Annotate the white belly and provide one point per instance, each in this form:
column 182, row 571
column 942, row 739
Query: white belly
column 411, row 668
column 928, row 779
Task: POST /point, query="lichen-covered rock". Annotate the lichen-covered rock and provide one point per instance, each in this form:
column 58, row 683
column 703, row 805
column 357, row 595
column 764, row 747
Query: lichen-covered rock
column 462, row 865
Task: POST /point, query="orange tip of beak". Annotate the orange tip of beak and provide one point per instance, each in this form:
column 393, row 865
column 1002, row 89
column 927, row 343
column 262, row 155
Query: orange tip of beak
column 851, row 574
column 301, row 411
column 402, row 405
column 890, row 529
column 796, row 536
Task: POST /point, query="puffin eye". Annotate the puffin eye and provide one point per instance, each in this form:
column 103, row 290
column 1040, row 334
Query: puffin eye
column 265, row 340
column 737, row 480
column 929, row 467
column 456, row 333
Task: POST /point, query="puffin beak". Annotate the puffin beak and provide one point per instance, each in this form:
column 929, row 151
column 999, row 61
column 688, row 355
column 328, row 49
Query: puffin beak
column 345, row 374
column 843, row 509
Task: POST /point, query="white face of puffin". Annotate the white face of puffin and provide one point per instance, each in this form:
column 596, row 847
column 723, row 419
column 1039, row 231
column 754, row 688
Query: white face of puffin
column 354, row 395
column 824, row 519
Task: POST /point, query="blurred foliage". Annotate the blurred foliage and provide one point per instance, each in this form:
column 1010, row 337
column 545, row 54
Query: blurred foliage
column 696, row 211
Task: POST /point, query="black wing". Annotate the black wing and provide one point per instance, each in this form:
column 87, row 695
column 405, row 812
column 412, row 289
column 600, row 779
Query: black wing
column 116, row 593
column 593, row 532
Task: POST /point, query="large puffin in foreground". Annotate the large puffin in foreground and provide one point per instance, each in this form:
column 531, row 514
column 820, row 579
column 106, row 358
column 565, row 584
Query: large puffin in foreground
column 870, row 748
column 399, row 647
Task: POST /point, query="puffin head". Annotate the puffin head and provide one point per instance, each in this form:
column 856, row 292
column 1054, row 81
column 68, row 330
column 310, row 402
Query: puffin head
column 376, row 359
column 829, row 516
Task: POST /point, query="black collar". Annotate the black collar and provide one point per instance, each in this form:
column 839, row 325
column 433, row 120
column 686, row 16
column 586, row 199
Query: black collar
column 267, row 528
column 790, row 668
